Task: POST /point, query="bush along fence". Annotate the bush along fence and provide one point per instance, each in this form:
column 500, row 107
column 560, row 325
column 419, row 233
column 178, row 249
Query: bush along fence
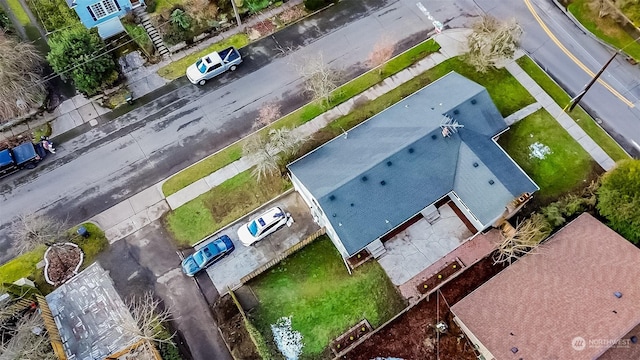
column 284, row 255
column 255, row 335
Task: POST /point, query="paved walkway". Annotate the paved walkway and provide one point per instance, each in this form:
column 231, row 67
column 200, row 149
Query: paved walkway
column 147, row 206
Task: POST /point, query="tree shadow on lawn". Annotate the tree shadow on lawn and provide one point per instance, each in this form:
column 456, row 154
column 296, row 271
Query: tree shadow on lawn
column 323, row 300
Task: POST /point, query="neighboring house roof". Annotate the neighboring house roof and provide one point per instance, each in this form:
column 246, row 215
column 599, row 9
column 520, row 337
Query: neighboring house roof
column 92, row 319
column 565, row 290
column 403, row 147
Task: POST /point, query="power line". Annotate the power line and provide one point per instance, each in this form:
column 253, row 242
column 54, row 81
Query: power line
column 94, row 56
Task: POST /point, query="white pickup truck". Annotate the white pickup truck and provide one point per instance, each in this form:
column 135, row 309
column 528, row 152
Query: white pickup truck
column 213, row 65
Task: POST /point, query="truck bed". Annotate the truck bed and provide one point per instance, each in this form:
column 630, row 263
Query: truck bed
column 229, row 54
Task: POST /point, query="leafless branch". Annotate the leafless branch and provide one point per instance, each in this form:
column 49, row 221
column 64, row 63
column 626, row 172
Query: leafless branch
column 28, row 341
column 149, row 316
column 527, row 236
column 381, row 53
column 492, row 41
column 21, row 88
column 261, row 152
column 31, row 230
column 320, row 79
column 267, row 114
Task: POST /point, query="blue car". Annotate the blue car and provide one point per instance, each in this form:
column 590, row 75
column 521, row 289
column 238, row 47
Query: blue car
column 208, row 255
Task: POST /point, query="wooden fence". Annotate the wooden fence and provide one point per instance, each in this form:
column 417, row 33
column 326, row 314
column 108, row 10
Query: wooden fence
column 285, row 254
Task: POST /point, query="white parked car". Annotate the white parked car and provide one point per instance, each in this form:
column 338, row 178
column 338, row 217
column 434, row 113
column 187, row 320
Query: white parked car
column 257, row 229
column 213, row 65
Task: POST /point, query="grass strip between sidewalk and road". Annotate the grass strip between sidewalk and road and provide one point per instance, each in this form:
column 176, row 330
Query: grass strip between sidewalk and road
column 605, row 28
column 582, row 118
column 242, row 194
column 354, row 87
column 177, row 68
column 18, row 11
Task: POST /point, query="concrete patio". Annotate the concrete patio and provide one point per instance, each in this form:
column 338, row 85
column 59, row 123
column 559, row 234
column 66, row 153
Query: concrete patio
column 422, row 244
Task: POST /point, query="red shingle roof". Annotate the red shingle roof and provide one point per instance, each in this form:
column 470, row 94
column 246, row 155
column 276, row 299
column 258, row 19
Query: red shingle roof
column 563, row 291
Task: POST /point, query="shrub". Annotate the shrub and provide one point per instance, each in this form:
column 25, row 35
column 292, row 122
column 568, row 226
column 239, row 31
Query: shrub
column 54, row 14
column 256, row 5
column 151, row 5
column 181, row 19
column 553, row 214
column 80, row 54
column 619, row 199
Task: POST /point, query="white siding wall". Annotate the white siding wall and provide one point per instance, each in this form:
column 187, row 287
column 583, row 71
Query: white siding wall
column 465, row 210
column 318, row 214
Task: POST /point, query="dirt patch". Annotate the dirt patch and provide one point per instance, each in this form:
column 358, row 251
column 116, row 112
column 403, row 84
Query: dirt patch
column 413, row 336
column 233, row 330
column 63, row 260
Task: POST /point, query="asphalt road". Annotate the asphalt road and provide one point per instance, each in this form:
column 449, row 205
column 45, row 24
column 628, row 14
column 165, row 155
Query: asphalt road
column 182, row 123
column 617, row 117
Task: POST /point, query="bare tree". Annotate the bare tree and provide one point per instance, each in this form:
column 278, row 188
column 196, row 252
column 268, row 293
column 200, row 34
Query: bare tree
column 381, row 53
column 285, row 140
column 149, row 316
column 527, row 236
column 259, row 150
column 31, row 230
column 491, row 41
column 320, row 79
column 267, row 114
column 21, row 88
column 28, row 340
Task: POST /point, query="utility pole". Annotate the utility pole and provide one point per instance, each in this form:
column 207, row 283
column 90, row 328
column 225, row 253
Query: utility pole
column 235, row 11
column 573, row 102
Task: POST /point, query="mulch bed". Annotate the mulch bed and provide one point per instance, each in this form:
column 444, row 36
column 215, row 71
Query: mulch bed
column 412, row 335
column 350, row 336
column 231, row 325
column 442, row 276
column 358, row 259
column 63, row 260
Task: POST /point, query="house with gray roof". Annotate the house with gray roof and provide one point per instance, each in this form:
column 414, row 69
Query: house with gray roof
column 436, row 146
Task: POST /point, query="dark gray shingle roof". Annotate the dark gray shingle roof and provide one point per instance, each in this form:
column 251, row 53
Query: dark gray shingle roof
column 390, row 167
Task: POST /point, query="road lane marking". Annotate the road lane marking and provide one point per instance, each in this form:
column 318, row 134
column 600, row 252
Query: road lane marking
column 572, row 57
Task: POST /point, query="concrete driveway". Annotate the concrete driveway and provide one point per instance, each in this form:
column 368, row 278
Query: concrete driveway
column 229, row 271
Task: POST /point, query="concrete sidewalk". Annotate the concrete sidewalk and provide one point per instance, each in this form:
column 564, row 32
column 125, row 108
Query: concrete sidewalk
column 133, row 214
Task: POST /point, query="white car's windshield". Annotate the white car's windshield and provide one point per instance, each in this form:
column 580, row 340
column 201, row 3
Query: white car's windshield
column 201, row 66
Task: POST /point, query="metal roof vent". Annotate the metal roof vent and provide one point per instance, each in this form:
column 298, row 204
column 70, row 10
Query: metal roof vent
column 514, row 349
column 334, row 215
column 491, row 182
column 475, row 164
column 411, row 150
column 389, row 163
column 456, row 112
column 332, row 197
column 618, row 294
column 383, row 183
column 434, row 136
column 634, row 339
column 352, row 204
column 364, row 178
column 473, row 101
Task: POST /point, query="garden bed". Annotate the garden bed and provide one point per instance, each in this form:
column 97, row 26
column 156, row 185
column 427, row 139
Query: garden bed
column 62, row 262
column 350, row 337
column 233, row 331
column 358, row 259
column 412, row 335
column 441, row 277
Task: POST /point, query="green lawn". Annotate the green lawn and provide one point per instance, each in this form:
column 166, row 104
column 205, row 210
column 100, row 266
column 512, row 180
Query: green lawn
column 584, row 120
column 220, row 206
column 302, row 115
column 25, row 265
column 19, row 12
column 567, row 167
column 177, row 68
column 315, row 289
column 605, row 28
